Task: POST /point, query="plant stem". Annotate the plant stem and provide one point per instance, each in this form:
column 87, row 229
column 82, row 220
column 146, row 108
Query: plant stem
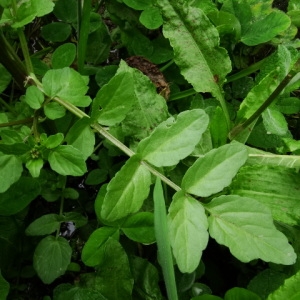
column 25, row 51
column 182, row 94
column 240, row 127
column 167, row 65
column 18, row 122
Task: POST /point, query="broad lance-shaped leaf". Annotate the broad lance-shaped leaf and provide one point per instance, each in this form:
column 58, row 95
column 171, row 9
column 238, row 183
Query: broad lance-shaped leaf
column 274, row 186
column 51, row 258
column 215, row 170
column 173, row 139
column 246, row 227
column 196, row 46
column 114, row 100
column 187, row 230
column 127, row 191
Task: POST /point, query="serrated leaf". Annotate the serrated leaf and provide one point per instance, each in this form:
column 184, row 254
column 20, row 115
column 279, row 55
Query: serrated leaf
column 173, row 139
column 148, row 110
column 19, row 195
column 34, row 97
column 68, row 85
column 288, row 290
column 82, row 137
column 67, row 160
column 246, row 227
column 140, row 228
column 275, row 187
column 94, row 249
column 187, row 230
column 127, row 191
column 196, row 46
column 46, row 224
column 51, row 258
column 114, row 99
column 10, row 171
column 215, row 170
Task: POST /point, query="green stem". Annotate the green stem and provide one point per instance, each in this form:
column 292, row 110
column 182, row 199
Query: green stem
column 240, row 127
column 182, row 94
column 25, row 51
column 8, row 107
column 19, row 122
column 251, row 69
column 167, row 65
column 83, row 30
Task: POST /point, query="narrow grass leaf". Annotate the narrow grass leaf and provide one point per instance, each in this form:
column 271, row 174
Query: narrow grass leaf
column 215, row 170
column 246, row 227
column 173, row 139
column 51, row 258
column 163, row 242
column 187, row 230
column 127, row 191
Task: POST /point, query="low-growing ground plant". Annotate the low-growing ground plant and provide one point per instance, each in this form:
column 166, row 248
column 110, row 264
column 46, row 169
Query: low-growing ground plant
column 149, row 149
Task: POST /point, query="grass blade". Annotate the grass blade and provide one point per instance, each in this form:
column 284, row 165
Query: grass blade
column 163, row 243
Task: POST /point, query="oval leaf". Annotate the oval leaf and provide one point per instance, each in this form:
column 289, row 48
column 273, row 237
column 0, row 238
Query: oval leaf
column 67, row 160
column 215, row 170
column 51, row 258
column 127, row 191
column 187, row 230
column 44, row 225
column 174, row 140
column 246, row 227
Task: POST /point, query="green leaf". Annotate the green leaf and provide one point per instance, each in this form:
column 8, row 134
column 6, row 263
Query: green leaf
column 259, row 22
column 52, row 141
column 196, row 47
column 237, row 293
column 63, row 56
column 96, row 177
column 148, row 110
column 34, row 97
column 218, row 128
column 215, row 170
column 4, row 288
column 113, row 277
column 93, row 252
column 146, row 279
column 19, row 195
column 82, row 137
column 275, row 122
column 67, row 160
column 34, row 166
column 10, row 171
column 127, row 191
column 246, row 227
column 173, row 139
column 138, row 4
column 5, row 78
column 66, row 10
column 76, row 218
column 80, row 293
column 14, row 148
column 151, row 18
column 275, row 187
column 288, row 290
column 163, row 242
column 115, row 99
column 187, row 230
column 68, row 85
column 56, row 32
column 51, row 258
column 54, row 111
column 140, row 228
column 46, row 224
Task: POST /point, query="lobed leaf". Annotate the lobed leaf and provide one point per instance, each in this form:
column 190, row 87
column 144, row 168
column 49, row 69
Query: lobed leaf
column 51, row 258
column 127, row 191
column 246, row 227
column 187, row 230
column 173, row 139
column 215, row 170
